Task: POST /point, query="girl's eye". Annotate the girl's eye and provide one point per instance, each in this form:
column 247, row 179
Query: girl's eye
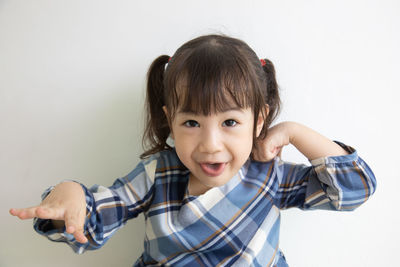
column 229, row 123
column 191, row 123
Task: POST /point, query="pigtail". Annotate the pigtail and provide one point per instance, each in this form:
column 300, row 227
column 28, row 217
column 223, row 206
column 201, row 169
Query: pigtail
column 156, row 129
column 272, row 98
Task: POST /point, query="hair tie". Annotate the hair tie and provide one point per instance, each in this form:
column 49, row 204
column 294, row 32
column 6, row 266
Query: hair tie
column 169, row 59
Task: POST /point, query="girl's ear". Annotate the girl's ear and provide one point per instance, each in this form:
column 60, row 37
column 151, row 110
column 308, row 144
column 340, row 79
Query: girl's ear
column 260, row 120
column 169, row 123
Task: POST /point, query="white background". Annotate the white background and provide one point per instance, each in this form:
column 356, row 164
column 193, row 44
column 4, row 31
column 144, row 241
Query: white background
column 72, row 78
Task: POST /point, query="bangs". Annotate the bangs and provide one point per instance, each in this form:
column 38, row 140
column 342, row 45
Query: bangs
column 207, row 75
column 209, row 81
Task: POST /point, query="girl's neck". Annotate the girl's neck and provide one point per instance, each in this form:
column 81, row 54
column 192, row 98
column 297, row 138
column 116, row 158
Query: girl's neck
column 195, row 188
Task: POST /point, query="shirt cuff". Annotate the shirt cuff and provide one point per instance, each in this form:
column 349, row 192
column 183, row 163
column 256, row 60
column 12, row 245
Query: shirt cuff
column 352, row 156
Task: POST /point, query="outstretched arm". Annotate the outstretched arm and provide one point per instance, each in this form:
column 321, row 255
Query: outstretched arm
column 310, row 143
column 65, row 204
column 92, row 215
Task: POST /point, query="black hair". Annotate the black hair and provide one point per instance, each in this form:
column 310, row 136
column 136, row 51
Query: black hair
column 206, row 75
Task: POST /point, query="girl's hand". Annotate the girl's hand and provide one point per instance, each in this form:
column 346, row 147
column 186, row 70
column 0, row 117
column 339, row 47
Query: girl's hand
column 66, row 202
column 310, row 143
column 271, row 146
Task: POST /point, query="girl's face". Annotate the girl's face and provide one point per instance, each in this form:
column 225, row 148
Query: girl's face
column 213, row 147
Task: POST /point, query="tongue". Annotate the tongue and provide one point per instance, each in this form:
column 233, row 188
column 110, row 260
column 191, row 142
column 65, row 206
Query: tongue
column 214, row 166
column 214, row 169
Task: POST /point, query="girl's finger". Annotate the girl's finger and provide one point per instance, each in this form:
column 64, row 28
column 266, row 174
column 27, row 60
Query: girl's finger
column 50, row 213
column 71, row 223
column 13, row 212
column 74, row 223
column 275, row 151
column 25, row 213
column 80, row 236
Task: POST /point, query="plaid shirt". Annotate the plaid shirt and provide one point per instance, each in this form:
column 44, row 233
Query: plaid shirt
column 235, row 224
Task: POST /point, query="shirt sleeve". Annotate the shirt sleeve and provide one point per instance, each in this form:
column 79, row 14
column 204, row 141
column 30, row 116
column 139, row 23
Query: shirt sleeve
column 332, row 183
column 107, row 208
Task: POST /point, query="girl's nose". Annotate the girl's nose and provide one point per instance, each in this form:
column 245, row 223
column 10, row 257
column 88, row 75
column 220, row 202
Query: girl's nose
column 210, row 141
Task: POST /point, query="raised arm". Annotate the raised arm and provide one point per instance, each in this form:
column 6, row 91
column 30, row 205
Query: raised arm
column 338, row 179
column 310, row 143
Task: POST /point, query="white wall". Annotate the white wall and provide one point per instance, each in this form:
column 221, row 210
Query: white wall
column 72, row 77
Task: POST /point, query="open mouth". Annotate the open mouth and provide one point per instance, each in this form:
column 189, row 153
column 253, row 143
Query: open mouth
column 213, row 169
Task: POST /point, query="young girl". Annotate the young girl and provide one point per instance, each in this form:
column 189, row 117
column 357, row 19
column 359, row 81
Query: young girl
column 214, row 196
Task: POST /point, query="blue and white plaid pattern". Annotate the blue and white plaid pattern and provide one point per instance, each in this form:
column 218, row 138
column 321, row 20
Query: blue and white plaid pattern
column 235, row 224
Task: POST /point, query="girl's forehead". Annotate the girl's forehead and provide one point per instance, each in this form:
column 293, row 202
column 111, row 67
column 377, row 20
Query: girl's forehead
column 208, row 100
column 207, row 106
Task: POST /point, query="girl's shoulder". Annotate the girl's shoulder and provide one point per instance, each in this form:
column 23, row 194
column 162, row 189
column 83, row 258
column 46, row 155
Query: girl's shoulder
column 259, row 169
column 163, row 161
